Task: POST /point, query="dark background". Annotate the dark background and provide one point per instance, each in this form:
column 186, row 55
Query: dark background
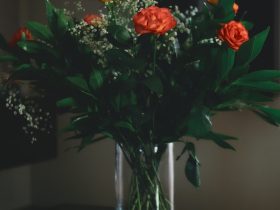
column 263, row 14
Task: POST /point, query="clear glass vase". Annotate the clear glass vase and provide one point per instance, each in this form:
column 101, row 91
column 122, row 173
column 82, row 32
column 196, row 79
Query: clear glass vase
column 145, row 182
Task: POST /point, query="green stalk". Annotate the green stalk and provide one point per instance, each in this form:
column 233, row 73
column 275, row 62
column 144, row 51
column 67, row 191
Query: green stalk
column 155, row 54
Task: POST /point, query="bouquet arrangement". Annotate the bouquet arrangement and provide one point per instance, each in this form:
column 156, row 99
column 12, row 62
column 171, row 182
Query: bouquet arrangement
column 147, row 76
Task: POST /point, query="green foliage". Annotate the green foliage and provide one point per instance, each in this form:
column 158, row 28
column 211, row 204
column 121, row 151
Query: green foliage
column 223, row 12
column 39, row 49
column 248, row 25
column 57, row 20
column 261, row 75
column 199, row 122
column 78, row 82
column 40, row 31
column 251, row 49
column 125, row 125
column 154, row 84
column 266, row 86
column 119, row 35
column 220, row 140
column 189, row 147
column 66, row 103
column 225, row 62
column 192, row 171
column 96, row 79
column 271, row 115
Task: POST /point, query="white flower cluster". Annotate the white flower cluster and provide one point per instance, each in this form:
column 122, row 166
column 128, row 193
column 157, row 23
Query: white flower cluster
column 78, row 5
column 169, row 46
column 94, row 36
column 184, row 20
column 37, row 120
column 214, row 40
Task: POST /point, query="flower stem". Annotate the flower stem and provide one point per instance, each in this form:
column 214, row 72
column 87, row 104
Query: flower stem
column 155, row 54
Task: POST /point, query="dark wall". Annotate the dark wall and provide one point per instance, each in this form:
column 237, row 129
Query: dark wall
column 263, row 15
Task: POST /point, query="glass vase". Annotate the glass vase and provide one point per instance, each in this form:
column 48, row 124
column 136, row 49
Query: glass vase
column 145, row 182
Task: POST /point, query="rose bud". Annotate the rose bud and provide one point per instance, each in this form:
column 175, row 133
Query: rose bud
column 154, row 20
column 235, row 8
column 19, row 35
column 234, row 34
column 92, row 19
column 213, row 2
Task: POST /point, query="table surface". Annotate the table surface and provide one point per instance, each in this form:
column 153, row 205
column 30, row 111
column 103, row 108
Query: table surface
column 68, row 207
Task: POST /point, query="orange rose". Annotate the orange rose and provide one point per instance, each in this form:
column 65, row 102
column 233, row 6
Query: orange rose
column 92, row 19
column 235, row 8
column 234, row 34
column 154, row 20
column 20, row 33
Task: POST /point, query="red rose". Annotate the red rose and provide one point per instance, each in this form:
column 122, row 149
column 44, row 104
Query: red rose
column 154, row 20
column 234, row 34
column 92, row 19
column 22, row 32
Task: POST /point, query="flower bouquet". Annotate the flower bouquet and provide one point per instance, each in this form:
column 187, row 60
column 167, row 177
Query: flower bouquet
column 147, row 76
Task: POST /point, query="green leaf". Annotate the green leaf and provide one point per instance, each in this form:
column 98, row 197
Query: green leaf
column 154, row 84
column 125, row 125
column 95, row 80
column 40, row 31
column 24, row 71
column 253, row 96
column 189, row 146
column 64, row 22
column 266, row 118
column 239, row 71
column 261, row 75
column 122, row 60
column 122, row 100
column 80, row 122
column 78, row 82
column 66, row 102
column 225, row 63
column 192, row 171
column 119, row 35
column 199, row 122
column 223, row 12
column 266, row 86
column 58, row 22
column 220, row 140
column 251, row 49
column 118, row 57
column 34, row 47
column 87, row 140
column 248, row 25
column 51, row 14
column 226, row 4
column 272, row 114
